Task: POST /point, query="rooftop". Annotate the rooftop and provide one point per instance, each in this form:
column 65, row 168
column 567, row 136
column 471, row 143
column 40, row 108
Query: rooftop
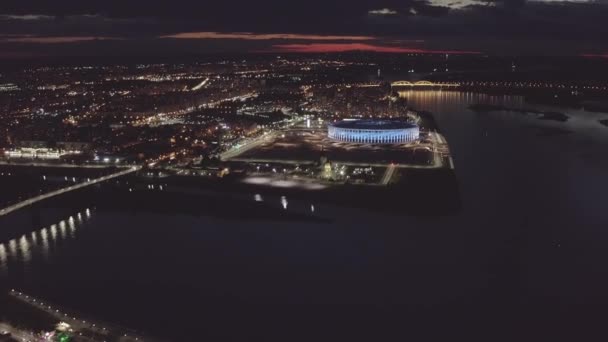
column 373, row 124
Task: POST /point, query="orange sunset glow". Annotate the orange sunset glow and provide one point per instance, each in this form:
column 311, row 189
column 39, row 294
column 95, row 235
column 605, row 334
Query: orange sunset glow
column 338, row 47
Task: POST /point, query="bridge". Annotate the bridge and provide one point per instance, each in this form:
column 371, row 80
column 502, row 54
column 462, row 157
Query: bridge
column 58, row 192
column 424, row 84
column 84, row 328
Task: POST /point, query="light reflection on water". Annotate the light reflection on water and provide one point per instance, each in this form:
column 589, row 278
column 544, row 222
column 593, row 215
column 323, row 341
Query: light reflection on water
column 54, row 232
column 62, row 229
column 3, row 257
column 45, row 242
column 24, row 247
column 72, row 226
column 30, row 245
column 428, row 99
column 12, row 246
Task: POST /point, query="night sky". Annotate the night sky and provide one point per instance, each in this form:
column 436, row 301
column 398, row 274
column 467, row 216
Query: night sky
column 136, row 27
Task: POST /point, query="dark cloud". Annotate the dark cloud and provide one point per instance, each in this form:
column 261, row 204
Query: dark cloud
column 423, row 8
column 474, row 24
column 383, row 11
column 73, row 25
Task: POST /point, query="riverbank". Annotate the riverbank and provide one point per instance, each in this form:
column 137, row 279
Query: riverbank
column 418, row 192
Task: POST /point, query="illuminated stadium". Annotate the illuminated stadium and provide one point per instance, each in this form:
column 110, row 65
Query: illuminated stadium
column 373, row 131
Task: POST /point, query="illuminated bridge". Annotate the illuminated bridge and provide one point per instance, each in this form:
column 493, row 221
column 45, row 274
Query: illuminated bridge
column 39, row 198
column 423, row 84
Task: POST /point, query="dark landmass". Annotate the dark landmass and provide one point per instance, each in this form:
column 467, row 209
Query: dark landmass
column 549, row 131
column 427, row 120
column 188, row 201
column 432, row 192
column 541, row 115
column 596, row 106
column 555, row 116
column 549, row 98
column 604, row 122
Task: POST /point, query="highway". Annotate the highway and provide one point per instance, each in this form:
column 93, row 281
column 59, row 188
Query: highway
column 200, row 85
column 39, row 198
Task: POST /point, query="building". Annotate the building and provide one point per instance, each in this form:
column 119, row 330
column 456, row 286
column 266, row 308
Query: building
column 30, row 149
column 373, row 131
column 76, row 147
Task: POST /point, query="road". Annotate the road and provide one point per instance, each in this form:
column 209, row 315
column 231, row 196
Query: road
column 39, row 198
column 82, row 327
column 159, row 117
column 440, row 150
column 38, row 164
column 200, row 85
column 341, row 162
column 388, row 174
column 235, row 151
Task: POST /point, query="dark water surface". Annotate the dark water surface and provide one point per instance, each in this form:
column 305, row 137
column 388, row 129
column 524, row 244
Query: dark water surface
column 526, row 259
